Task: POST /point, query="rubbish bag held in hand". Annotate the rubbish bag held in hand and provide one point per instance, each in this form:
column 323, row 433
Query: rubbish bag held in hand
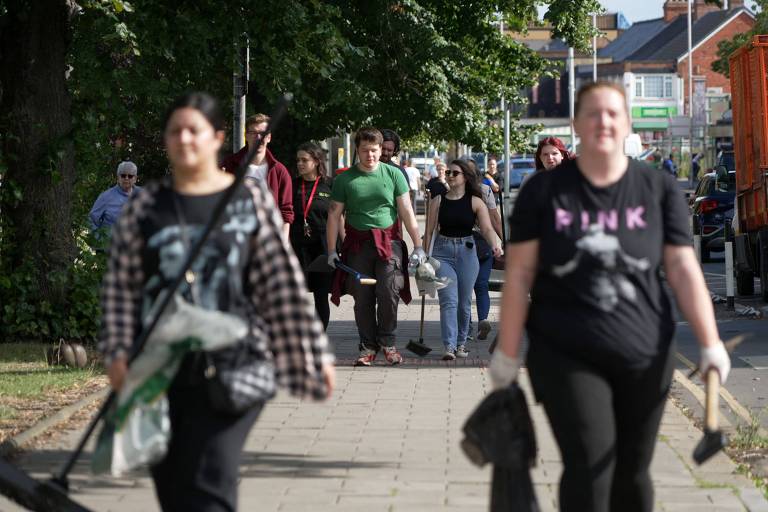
column 500, row 431
column 426, row 278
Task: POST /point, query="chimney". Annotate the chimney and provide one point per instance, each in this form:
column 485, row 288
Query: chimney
column 674, row 8
column 700, row 8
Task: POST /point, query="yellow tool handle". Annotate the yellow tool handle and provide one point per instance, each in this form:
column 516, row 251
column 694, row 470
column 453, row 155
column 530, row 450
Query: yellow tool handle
column 367, row 281
column 713, row 395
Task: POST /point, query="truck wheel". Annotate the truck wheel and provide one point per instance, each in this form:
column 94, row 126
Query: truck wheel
column 745, row 282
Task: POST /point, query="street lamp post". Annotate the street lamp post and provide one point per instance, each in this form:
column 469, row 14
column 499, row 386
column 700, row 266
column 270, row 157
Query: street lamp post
column 505, row 113
column 240, row 89
column 594, row 48
column 691, row 177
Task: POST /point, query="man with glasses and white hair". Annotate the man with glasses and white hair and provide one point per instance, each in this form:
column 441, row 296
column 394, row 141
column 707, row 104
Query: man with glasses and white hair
column 110, row 203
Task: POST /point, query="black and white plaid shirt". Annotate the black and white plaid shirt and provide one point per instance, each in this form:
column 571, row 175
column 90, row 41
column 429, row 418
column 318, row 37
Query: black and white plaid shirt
column 274, row 281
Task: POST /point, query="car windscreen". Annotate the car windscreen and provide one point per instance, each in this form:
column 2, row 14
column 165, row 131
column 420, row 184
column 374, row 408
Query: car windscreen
column 728, row 161
column 726, row 184
column 522, row 165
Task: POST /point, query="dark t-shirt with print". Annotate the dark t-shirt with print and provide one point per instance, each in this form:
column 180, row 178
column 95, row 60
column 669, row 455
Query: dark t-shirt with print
column 175, row 224
column 598, row 293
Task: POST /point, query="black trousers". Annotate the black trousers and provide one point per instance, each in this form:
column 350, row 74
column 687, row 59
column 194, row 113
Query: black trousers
column 605, row 420
column 200, row 472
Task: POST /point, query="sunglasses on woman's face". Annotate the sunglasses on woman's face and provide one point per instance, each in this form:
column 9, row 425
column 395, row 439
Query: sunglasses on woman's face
column 127, row 176
column 453, row 173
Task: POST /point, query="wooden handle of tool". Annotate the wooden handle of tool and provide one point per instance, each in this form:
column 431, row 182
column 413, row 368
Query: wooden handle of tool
column 713, row 395
column 367, row 280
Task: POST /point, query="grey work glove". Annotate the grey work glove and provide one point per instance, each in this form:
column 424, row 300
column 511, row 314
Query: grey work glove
column 418, row 256
column 333, row 257
column 503, row 369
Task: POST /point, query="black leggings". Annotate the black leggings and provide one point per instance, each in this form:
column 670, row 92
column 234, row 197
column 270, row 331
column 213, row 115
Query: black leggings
column 605, row 421
column 201, row 470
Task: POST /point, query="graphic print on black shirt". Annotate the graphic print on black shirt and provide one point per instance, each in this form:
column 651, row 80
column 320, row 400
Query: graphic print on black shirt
column 220, row 266
column 598, row 291
column 609, row 263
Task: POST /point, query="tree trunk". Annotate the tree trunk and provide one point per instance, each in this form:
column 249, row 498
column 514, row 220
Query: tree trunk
column 35, row 122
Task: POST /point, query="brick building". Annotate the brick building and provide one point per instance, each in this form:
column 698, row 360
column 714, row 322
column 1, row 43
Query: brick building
column 651, row 61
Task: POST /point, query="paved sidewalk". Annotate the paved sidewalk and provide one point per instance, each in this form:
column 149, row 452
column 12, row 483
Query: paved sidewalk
column 388, row 441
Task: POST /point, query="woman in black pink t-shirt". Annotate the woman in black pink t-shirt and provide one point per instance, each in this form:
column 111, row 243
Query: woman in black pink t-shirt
column 245, row 276
column 311, row 197
column 588, row 240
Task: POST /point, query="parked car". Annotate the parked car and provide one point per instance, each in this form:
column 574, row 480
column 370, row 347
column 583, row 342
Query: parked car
column 519, row 168
column 711, row 207
column 727, row 159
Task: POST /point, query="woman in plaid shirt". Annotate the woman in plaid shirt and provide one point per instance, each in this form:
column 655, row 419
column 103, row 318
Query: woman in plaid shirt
column 246, row 271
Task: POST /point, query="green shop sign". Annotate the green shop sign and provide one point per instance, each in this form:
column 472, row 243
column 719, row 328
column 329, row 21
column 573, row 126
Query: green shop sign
column 639, row 112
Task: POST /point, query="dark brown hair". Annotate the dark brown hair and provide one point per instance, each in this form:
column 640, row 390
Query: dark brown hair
column 470, row 176
column 203, row 103
column 591, row 86
column 368, row 134
column 317, row 154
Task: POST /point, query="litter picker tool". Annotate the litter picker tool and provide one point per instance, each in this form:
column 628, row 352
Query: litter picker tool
column 714, row 439
column 52, row 495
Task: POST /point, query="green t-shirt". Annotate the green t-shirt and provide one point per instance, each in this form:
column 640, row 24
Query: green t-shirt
column 369, row 198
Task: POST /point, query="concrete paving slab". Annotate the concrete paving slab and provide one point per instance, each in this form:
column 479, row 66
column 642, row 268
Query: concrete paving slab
column 388, row 441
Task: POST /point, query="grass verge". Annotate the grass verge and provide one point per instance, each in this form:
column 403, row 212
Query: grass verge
column 30, row 390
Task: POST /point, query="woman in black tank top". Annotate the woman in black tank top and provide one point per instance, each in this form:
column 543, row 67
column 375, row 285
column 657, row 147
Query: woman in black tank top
column 455, row 214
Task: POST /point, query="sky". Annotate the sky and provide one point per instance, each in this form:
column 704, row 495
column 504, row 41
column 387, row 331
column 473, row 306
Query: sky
column 635, row 10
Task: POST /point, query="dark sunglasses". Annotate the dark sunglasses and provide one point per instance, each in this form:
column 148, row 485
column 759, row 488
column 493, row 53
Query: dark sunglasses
column 127, row 176
column 453, row 173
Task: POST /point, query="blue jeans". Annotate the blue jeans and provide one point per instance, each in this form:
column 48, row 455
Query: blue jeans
column 459, row 263
column 482, row 297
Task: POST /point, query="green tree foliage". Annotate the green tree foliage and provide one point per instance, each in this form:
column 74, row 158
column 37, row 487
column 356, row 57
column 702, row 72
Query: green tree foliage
column 726, row 48
column 430, row 69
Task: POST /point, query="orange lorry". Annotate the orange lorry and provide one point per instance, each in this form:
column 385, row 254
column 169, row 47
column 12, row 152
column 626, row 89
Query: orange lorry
column 749, row 92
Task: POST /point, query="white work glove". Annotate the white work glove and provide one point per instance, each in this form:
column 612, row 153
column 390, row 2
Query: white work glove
column 503, row 369
column 333, row 257
column 715, row 357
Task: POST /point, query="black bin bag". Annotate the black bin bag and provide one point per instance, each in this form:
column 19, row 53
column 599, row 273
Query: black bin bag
column 500, row 431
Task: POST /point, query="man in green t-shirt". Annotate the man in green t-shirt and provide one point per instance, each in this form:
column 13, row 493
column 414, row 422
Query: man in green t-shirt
column 371, row 196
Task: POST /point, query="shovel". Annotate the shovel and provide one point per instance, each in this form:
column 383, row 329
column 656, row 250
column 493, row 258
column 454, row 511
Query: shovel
column 714, row 439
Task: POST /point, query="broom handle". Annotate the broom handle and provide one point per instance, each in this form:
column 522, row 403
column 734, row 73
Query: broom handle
column 280, row 111
column 421, row 325
column 713, row 395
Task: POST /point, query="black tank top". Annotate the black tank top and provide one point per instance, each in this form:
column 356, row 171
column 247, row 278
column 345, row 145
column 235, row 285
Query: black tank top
column 456, row 217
